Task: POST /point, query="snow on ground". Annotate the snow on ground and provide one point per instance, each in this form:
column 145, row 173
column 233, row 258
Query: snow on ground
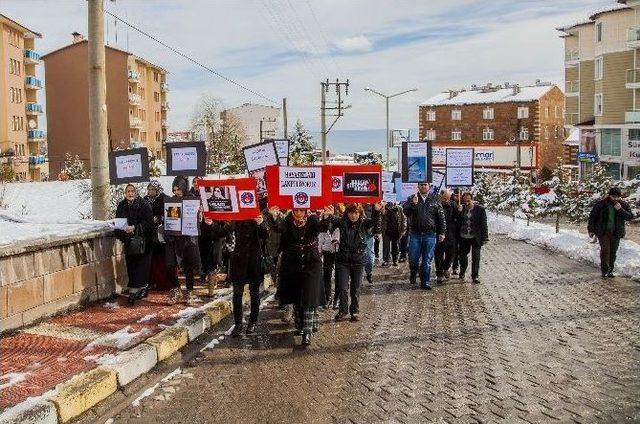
column 569, row 242
column 119, row 339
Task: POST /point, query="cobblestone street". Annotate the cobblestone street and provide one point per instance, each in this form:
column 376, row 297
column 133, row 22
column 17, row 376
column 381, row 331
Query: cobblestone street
column 542, row 339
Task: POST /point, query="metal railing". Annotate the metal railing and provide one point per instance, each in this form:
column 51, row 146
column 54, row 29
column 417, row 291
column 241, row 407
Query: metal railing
column 33, row 107
column 31, row 54
column 33, row 81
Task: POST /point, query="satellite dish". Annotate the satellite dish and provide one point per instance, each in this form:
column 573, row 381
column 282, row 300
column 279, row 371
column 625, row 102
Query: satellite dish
column 33, row 124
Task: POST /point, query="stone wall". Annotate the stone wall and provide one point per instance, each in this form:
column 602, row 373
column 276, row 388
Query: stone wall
column 39, row 280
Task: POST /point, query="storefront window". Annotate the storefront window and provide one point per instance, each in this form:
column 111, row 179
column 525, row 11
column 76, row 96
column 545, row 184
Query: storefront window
column 610, row 142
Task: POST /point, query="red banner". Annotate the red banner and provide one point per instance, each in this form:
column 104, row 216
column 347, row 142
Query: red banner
column 298, row 187
column 229, row 200
column 356, row 183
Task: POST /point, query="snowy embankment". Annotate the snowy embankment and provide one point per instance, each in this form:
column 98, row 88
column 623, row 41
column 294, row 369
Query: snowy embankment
column 571, row 243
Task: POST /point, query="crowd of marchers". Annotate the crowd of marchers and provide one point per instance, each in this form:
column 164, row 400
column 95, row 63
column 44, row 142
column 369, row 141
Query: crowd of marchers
column 318, row 259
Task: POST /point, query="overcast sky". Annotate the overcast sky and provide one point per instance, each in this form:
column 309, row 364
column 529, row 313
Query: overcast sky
column 284, row 48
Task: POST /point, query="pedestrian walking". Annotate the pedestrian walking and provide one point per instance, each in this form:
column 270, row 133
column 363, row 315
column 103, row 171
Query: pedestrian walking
column 351, row 256
column 370, row 242
column 455, row 263
column 301, row 276
column 246, row 267
column 473, row 232
column 182, row 252
column 428, row 224
column 394, row 226
column 446, row 249
column 159, row 278
column 607, row 222
column 328, row 241
column 136, row 237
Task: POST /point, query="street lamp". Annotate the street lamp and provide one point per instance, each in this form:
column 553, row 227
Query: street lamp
column 387, row 107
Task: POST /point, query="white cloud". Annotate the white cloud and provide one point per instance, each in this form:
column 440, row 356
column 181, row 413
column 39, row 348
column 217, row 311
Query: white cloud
column 355, row 44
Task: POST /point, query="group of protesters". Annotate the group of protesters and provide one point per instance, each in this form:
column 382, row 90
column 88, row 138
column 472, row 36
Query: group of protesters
column 317, row 259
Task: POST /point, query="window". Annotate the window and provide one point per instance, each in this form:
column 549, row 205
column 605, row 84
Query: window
column 546, row 132
column 143, row 137
column 524, row 133
column 598, row 104
column 456, row 135
column 156, row 96
column 599, row 68
column 610, row 142
column 157, row 135
column 487, row 134
column 12, row 94
column 157, row 116
column 155, row 76
column 558, row 112
column 487, row 113
column 634, row 134
column 523, row 112
column 431, row 135
column 598, row 32
column 456, row 115
column 431, row 115
column 547, row 112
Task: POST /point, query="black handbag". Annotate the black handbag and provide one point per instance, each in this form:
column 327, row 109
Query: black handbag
column 137, row 244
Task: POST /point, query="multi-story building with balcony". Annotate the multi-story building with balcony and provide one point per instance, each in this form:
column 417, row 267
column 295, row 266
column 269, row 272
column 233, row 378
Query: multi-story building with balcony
column 602, row 79
column 137, row 104
column 259, row 122
column 508, row 125
column 22, row 142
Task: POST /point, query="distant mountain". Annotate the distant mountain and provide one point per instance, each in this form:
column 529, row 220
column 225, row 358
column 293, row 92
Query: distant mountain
column 349, row 141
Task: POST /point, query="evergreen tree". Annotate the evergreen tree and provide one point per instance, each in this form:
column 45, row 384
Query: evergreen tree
column 301, row 146
column 73, row 168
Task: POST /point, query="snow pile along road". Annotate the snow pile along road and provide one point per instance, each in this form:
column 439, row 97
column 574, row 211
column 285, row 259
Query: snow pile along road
column 569, row 242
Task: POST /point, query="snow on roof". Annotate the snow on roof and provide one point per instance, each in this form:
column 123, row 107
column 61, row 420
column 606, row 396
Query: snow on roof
column 593, row 15
column 566, row 28
column 502, row 95
column 574, row 138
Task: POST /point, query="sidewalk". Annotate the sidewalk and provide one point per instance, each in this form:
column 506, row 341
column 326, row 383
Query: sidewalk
column 54, row 371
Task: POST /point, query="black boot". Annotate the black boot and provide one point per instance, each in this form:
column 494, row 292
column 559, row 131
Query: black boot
column 306, row 339
column 237, row 330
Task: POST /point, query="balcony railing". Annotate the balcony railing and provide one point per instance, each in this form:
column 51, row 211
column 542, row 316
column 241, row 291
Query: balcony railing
column 164, row 86
column 37, row 159
column 165, row 105
column 31, row 56
column 572, row 87
column 32, row 82
column 632, row 117
column 571, row 118
column 35, row 135
column 133, row 75
column 134, row 99
column 135, row 144
column 572, row 56
column 135, row 122
column 33, row 108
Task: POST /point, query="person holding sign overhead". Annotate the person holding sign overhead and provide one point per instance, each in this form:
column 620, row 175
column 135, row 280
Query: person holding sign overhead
column 473, row 235
column 427, row 224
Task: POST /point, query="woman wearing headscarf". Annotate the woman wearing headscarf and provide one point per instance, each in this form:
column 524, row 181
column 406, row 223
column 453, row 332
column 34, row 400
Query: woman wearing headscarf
column 136, row 236
column 159, row 279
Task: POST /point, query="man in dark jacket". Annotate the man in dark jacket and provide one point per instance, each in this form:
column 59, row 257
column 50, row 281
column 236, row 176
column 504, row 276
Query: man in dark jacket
column 473, row 234
column 428, row 224
column 394, row 225
column 606, row 221
column 446, row 249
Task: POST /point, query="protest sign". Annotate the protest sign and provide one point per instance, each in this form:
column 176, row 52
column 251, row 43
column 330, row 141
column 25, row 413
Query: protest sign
column 186, row 158
column 181, row 216
column 389, row 197
column 298, row 187
column 129, row 166
column 459, row 163
column 229, row 200
column 282, row 149
column 356, row 183
column 258, row 157
column 404, row 190
column 416, row 162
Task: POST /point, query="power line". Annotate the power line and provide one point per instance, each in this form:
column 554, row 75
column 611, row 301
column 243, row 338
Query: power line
column 324, row 36
column 189, row 58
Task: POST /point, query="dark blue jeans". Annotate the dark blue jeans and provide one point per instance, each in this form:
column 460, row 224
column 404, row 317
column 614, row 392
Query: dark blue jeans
column 421, row 247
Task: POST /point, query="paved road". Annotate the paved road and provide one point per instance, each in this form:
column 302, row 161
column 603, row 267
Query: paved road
column 542, row 339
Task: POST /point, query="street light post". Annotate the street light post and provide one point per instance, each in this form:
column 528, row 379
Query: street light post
column 388, row 135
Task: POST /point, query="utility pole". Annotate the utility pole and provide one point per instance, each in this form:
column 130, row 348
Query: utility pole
column 285, row 127
column 336, row 111
column 98, row 140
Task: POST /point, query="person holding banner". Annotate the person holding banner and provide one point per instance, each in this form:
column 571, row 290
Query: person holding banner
column 136, row 236
column 428, row 224
column 300, row 282
column 473, row 235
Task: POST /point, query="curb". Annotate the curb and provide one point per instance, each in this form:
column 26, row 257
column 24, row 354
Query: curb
column 79, row 394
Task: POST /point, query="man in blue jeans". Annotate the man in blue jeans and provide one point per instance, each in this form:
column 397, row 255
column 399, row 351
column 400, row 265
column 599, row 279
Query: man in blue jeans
column 427, row 223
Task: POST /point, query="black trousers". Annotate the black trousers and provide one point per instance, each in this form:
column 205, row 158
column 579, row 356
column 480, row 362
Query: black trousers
column 404, row 245
column 328, row 263
column 390, row 247
column 254, row 292
column 188, row 276
column 445, row 252
column 348, row 282
column 608, row 249
column 376, row 246
column 465, row 246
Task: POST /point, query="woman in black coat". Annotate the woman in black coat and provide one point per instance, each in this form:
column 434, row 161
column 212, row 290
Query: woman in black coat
column 139, row 224
column 159, row 279
column 245, row 267
column 300, row 281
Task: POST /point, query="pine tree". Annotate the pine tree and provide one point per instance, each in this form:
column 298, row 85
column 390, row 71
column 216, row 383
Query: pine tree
column 301, row 146
column 591, row 189
column 154, row 169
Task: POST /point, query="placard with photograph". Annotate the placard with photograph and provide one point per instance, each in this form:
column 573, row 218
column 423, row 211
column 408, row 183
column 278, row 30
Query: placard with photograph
column 416, row 162
column 129, row 166
column 356, row 183
column 299, row 187
column 260, row 155
column 229, row 199
column 186, row 158
column 181, row 216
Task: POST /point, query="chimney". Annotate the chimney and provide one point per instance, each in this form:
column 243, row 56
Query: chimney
column 506, row 84
column 474, row 87
column 516, row 89
column 452, row 94
column 538, row 82
column 77, row 37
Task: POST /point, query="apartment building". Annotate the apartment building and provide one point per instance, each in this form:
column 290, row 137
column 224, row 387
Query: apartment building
column 22, row 142
column 602, row 78
column 258, row 121
column 508, row 125
column 137, row 105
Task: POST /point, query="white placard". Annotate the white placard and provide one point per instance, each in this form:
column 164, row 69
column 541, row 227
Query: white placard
column 389, row 197
column 460, row 157
column 459, row 177
column 416, row 149
column 119, row 223
column 184, row 158
column 438, row 179
column 282, row 148
column 190, row 217
column 260, row 156
column 173, row 216
column 129, row 166
column 388, row 187
column 300, row 180
column 387, row 176
column 404, row 190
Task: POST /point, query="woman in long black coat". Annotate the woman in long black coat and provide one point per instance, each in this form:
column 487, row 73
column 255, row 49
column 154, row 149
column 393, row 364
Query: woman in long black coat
column 139, row 222
column 245, row 267
column 301, row 273
column 159, row 279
